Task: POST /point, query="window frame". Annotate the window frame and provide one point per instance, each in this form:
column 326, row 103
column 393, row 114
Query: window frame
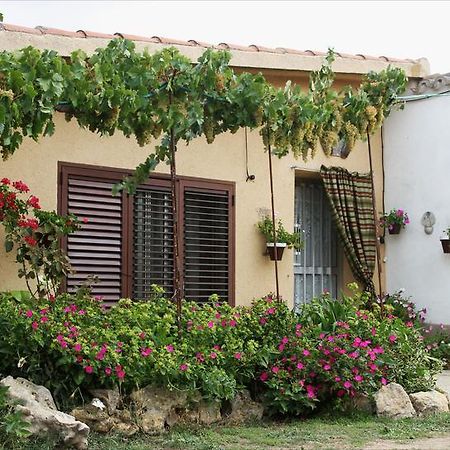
column 112, row 174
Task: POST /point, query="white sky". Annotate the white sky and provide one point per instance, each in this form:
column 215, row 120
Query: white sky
column 404, row 29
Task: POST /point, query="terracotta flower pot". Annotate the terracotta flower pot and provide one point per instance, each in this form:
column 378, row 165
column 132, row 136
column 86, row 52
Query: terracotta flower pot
column 445, row 245
column 394, row 228
column 276, row 253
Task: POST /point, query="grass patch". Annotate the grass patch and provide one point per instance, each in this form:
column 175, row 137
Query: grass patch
column 325, row 432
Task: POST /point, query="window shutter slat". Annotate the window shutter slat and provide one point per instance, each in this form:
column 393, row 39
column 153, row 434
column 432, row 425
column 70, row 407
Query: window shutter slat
column 96, row 249
column 206, row 244
column 152, row 241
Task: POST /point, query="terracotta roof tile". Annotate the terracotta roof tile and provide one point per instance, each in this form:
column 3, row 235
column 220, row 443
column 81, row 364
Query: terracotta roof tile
column 260, row 48
column 191, row 43
column 315, row 53
column 19, row 29
column 199, row 43
column 292, row 51
column 242, row 48
column 57, row 32
column 133, row 37
column 94, row 34
column 169, row 41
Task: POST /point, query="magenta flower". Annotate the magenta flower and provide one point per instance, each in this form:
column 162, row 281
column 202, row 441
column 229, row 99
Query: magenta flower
column 262, row 321
column 340, row 393
column 34, row 325
column 300, row 366
column 337, row 379
column 183, row 367
column 358, row 378
column 81, row 312
column 311, row 391
column 270, row 311
column 327, row 367
column 146, row 352
column 275, row 369
column 264, row 376
column 142, row 335
column 120, row 374
column 238, row 355
column 233, row 323
column 306, row 352
column 285, row 340
column 44, row 319
column 348, row 384
column 210, row 324
column 77, row 347
column 108, row 371
column 213, row 355
column 281, row 347
column 384, row 381
column 200, row 357
column 170, row 348
column 392, row 338
column 29, row 313
column 88, row 369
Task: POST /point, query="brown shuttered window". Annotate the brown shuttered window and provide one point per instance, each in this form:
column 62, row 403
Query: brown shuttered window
column 127, row 241
column 206, row 243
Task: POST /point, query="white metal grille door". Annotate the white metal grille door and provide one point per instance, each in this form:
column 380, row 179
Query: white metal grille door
column 316, row 265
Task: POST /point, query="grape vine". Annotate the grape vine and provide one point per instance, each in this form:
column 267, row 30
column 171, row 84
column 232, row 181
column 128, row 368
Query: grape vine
column 118, row 88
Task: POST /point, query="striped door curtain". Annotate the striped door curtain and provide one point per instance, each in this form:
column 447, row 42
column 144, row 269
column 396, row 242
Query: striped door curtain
column 351, row 202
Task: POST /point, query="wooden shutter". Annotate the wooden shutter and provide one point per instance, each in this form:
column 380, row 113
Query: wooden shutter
column 128, row 240
column 152, row 240
column 207, row 248
column 97, row 248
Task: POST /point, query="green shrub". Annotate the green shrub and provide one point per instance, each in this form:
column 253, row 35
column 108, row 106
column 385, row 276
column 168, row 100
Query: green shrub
column 13, row 428
column 71, row 343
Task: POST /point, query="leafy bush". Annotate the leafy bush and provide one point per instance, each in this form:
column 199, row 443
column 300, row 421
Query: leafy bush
column 13, row 428
column 330, row 350
column 336, row 358
column 34, row 234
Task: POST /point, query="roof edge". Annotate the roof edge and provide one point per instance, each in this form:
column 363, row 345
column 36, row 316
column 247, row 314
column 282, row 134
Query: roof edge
column 14, row 37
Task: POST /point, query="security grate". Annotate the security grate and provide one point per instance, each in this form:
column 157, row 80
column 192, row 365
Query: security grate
column 152, row 241
column 316, row 265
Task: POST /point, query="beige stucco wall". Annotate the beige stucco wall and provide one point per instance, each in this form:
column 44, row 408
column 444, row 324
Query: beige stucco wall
column 36, row 164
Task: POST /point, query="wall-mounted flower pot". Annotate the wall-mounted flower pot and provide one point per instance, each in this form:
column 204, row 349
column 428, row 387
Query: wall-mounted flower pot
column 394, row 228
column 445, row 245
column 276, row 253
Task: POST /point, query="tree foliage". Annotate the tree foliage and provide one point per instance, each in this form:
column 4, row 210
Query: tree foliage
column 150, row 96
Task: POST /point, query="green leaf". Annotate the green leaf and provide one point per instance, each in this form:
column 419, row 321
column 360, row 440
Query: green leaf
column 9, row 245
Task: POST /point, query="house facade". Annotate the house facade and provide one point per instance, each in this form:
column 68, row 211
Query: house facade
column 223, row 189
column 416, row 162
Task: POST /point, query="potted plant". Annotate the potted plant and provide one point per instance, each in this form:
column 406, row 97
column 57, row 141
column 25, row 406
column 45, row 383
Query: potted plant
column 394, row 221
column 284, row 238
column 445, row 241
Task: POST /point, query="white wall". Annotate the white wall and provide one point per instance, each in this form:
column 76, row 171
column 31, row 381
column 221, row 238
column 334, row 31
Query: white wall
column 417, row 167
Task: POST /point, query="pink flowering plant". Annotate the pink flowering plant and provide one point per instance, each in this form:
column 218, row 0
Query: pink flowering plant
column 71, row 343
column 34, row 235
column 394, row 217
column 357, row 357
